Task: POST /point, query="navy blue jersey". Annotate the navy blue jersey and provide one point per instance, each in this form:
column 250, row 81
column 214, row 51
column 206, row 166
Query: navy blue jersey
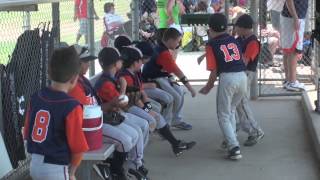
column 47, row 136
column 301, row 9
column 244, row 42
column 105, row 77
column 224, row 55
column 152, row 69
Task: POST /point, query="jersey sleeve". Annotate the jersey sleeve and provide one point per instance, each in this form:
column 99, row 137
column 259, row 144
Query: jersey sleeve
column 167, row 62
column 79, row 94
column 75, row 136
column 211, row 59
column 128, row 79
column 252, row 51
column 107, row 92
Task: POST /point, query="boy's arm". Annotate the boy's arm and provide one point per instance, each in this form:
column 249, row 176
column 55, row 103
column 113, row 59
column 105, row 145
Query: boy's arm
column 292, row 10
column 210, row 84
column 123, row 85
column 252, row 51
column 169, row 11
column 168, row 63
column 75, row 137
column 211, row 66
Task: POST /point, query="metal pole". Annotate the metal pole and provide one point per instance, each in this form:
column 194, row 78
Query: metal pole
column 26, row 21
column 308, row 25
column 90, row 35
column 135, row 20
column 56, row 22
column 226, row 9
column 254, row 15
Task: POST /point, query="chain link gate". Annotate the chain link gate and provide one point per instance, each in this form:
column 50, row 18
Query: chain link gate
column 272, row 69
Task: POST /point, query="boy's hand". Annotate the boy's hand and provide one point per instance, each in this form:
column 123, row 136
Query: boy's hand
column 200, row 59
column 73, row 177
column 153, row 114
column 205, row 90
column 193, row 92
column 96, row 17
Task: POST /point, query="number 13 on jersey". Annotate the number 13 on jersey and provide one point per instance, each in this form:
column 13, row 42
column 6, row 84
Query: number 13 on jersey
column 40, row 127
column 235, row 56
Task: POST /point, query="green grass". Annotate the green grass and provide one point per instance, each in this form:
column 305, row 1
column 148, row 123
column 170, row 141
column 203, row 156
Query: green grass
column 11, row 23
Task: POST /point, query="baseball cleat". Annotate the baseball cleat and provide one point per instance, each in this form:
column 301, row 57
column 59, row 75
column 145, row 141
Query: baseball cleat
column 234, row 153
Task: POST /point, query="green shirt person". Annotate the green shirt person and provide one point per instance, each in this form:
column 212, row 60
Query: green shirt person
column 169, row 12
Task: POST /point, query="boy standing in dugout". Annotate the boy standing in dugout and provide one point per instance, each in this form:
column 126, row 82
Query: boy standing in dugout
column 224, row 60
column 53, row 125
column 250, row 48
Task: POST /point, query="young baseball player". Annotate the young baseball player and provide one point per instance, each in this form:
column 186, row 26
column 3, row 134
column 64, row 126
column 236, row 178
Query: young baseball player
column 224, row 60
column 250, row 48
column 150, row 88
column 119, row 43
column 53, row 125
column 110, row 61
column 178, row 146
column 159, row 68
column 127, row 139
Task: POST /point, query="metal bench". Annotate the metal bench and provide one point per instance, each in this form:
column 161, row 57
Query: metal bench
column 92, row 157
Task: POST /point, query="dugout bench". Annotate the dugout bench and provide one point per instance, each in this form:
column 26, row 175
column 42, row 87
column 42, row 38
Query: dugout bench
column 85, row 171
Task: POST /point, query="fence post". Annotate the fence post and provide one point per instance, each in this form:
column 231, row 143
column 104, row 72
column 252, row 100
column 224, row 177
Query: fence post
column 308, row 19
column 135, row 20
column 90, row 35
column 56, row 22
column 226, row 10
column 26, row 20
column 254, row 15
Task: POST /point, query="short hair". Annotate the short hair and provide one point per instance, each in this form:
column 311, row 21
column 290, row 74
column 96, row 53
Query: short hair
column 64, row 64
column 171, row 33
column 107, row 7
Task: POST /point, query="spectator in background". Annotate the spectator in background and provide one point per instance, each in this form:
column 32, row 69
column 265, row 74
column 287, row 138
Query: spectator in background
column 148, row 6
column 81, row 14
column 169, row 12
column 114, row 25
column 148, row 29
column 216, row 6
column 292, row 22
column 190, row 5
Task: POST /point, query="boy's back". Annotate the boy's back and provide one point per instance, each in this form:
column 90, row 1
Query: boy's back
column 50, row 114
column 224, row 54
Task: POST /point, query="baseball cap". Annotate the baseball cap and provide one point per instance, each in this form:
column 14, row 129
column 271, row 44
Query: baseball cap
column 122, row 41
column 177, row 27
column 218, row 22
column 130, row 55
column 84, row 54
column 108, row 56
column 145, row 48
column 245, row 21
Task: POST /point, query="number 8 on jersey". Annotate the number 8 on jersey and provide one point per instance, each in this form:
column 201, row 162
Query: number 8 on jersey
column 40, row 127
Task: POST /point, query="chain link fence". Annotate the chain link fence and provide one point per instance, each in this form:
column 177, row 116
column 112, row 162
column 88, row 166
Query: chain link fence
column 26, row 43
column 279, row 36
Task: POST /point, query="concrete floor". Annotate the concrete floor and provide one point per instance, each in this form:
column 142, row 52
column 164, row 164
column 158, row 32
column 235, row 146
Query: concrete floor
column 285, row 153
